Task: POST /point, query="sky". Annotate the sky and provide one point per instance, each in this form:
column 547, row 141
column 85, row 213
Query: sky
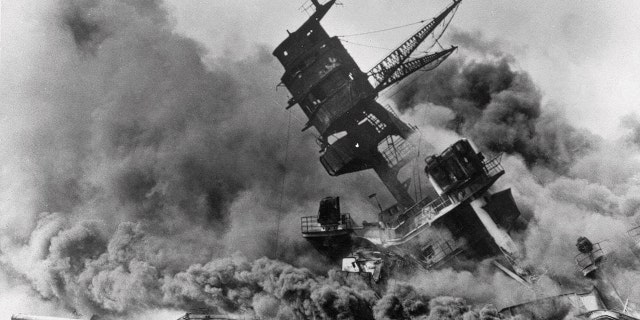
column 581, row 54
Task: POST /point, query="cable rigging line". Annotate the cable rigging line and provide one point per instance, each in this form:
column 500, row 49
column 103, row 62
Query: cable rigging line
column 365, row 45
column 446, row 25
column 381, row 30
column 416, row 167
column 284, row 176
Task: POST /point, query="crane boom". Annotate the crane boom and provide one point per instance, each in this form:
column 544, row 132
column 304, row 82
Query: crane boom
column 414, row 65
column 387, row 67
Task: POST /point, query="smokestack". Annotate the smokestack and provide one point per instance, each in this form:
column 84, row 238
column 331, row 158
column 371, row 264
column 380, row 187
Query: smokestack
column 499, row 235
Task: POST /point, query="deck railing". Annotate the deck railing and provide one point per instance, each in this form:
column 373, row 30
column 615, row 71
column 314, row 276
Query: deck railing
column 425, row 212
column 587, row 262
column 310, row 224
column 634, row 233
column 441, row 250
column 493, row 166
column 396, row 149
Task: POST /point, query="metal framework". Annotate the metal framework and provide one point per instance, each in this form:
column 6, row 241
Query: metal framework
column 409, row 67
column 310, row 224
column 388, row 66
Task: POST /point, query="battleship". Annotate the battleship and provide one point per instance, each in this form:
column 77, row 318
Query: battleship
column 466, row 219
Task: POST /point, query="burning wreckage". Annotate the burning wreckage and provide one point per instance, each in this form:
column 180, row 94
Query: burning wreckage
column 466, row 220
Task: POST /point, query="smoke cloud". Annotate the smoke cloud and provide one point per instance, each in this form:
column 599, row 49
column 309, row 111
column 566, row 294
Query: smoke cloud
column 133, row 165
column 566, row 181
column 497, row 106
column 632, row 122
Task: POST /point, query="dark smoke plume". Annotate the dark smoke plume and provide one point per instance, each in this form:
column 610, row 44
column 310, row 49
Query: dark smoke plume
column 632, row 123
column 565, row 180
column 133, row 157
column 407, row 302
column 86, row 34
column 499, row 108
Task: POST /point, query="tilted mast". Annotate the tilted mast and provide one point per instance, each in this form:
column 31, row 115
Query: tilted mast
column 356, row 132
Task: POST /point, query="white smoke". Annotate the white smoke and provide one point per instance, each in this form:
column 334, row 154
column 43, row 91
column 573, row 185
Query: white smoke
column 567, row 181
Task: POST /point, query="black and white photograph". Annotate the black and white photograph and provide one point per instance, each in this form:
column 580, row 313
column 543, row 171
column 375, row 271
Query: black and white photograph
column 319, row 160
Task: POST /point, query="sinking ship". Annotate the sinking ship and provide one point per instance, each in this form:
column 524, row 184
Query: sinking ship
column 466, row 219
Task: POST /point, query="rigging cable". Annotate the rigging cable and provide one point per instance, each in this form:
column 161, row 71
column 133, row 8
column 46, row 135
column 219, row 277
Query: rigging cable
column 417, row 167
column 365, row 45
column 413, row 178
column 284, row 176
column 446, row 25
column 302, row 122
column 374, row 47
column 381, row 30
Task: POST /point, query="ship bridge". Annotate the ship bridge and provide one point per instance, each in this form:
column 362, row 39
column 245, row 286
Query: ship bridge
column 427, row 212
column 464, row 216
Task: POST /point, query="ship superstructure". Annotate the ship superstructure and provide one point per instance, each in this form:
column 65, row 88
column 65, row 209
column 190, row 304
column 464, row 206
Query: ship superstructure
column 465, row 217
column 357, row 133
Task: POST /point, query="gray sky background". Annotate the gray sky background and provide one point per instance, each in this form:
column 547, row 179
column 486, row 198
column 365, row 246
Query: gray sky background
column 583, row 54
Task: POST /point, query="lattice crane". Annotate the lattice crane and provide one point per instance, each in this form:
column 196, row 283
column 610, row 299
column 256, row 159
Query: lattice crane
column 409, row 67
column 393, row 67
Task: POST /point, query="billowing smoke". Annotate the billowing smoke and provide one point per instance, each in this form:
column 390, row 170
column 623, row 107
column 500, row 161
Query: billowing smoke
column 134, row 168
column 497, row 106
column 407, row 302
column 130, row 157
column 567, row 181
column 632, row 122
column 124, row 275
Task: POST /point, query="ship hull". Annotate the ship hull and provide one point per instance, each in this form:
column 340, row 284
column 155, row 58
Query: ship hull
column 333, row 246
